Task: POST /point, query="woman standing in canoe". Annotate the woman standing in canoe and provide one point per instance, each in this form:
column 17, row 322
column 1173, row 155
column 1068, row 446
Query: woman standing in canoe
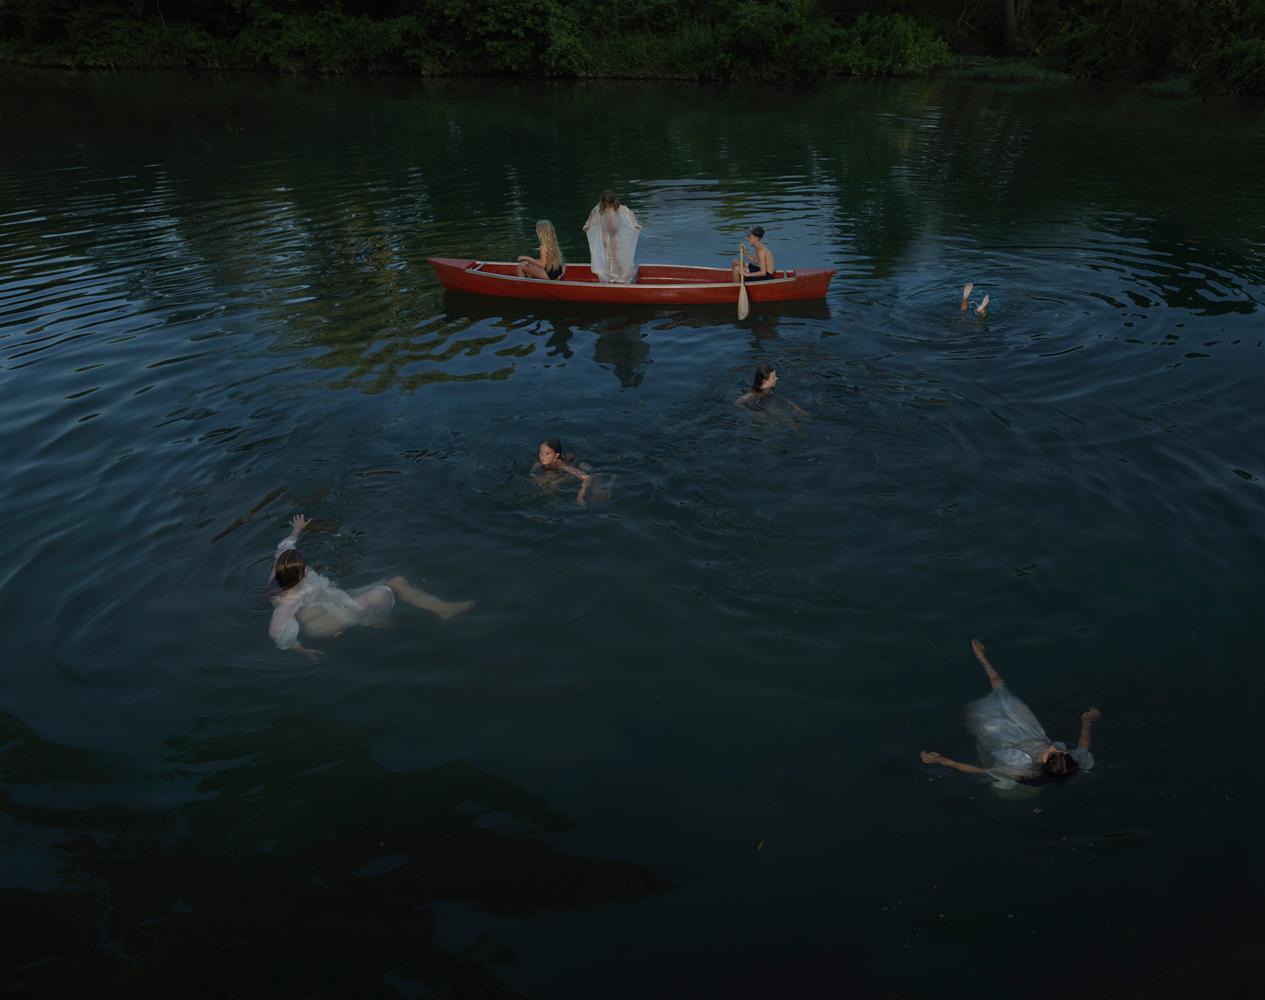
column 613, row 230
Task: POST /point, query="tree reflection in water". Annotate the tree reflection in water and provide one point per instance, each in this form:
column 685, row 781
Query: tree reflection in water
column 303, row 867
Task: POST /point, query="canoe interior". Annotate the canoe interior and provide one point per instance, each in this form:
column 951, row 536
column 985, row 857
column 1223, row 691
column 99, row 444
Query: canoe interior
column 647, row 274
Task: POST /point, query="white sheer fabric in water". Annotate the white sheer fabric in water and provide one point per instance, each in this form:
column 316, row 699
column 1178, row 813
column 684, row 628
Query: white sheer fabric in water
column 1010, row 739
column 322, row 608
column 613, row 236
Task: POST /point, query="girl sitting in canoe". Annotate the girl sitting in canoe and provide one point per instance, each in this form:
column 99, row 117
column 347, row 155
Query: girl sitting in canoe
column 1012, row 744
column 549, row 265
column 307, row 600
column 761, row 393
column 760, row 262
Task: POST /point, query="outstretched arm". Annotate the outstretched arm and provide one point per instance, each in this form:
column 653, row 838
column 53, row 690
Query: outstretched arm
column 1088, row 718
column 994, row 678
column 584, row 478
column 929, row 757
column 297, row 524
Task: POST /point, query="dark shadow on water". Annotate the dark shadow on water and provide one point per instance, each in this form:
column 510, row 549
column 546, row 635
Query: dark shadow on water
column 299, row 866
column 621, row 343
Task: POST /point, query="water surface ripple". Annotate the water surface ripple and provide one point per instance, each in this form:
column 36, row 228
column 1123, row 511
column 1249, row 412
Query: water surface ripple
column 677, row 741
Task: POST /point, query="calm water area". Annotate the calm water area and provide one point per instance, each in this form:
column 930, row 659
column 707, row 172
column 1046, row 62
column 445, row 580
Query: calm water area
column 674, row 750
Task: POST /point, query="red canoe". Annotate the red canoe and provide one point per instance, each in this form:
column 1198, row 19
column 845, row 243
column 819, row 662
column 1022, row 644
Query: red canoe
column 657, row 284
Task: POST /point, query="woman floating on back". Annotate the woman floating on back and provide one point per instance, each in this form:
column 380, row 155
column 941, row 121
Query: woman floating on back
column 549, row 265
column 308, row 601
column 613, row 231
column 1012, row 744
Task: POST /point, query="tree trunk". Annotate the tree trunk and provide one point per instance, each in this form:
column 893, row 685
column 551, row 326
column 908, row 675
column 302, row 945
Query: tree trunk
column 1014, row 13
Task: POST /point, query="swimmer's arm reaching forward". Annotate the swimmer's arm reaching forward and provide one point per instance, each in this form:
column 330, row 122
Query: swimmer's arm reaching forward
column 537, row 469
column 584, row 478
column 930, row 757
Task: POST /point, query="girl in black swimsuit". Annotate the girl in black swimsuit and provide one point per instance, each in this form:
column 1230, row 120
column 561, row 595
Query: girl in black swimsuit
column 549, row 265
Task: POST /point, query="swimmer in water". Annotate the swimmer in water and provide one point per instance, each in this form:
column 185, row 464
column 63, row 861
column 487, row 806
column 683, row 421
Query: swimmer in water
column 981, row 309
column 762, row 385
column 306, row 600
column 551, row 458
column 1012, row 743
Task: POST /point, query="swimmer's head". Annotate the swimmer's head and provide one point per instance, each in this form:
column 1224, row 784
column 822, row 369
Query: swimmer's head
column 1060, row 764
column 756, row 232
column 290, row 568
column 610, row 199
column 765, row 379
column 550, row 451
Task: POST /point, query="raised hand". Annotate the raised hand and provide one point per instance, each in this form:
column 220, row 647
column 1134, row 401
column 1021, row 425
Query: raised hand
column 1091, row 714
column 931, row 757
column 298, row 523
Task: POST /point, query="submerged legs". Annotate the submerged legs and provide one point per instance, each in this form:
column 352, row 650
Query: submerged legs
column 409, row 594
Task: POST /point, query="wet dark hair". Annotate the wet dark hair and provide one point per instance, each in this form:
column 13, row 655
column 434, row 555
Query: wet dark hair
column 761, row 373
column 555, row 445
column 610, row 199
column 757, row 232
column 289, row 568
column 1061, row 764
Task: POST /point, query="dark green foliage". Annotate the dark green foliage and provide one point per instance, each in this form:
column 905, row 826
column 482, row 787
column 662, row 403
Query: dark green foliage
column 1235, row 70
column 889, row 45
column 758, row 40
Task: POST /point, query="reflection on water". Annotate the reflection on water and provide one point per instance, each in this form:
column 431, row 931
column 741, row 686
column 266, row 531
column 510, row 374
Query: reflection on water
column 291, row 827
column 215, row 311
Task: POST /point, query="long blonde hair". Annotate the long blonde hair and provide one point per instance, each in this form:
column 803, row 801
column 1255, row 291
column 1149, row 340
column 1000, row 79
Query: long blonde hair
column 549, row 240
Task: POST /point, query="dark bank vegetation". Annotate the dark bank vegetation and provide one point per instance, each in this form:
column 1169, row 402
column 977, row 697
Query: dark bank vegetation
column 1217, row 44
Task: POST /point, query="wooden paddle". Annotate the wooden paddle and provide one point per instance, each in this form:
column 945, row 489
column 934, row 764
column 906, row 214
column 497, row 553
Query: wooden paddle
column 744, row 306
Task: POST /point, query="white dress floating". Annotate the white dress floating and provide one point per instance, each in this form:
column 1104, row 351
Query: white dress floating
column 322, row 608
column 1010, row 738
column 613, row 236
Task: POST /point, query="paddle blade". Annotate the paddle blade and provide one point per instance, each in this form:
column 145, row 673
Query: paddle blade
column 744, row 306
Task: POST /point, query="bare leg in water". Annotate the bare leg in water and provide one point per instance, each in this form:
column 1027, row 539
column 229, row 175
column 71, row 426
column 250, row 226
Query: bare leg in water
column 981, row 309
column 409, row 594
column 994, row 678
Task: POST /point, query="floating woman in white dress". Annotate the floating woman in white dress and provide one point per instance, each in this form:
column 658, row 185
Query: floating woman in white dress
column 613, row 232
column 309, row 600
column 1012, row 744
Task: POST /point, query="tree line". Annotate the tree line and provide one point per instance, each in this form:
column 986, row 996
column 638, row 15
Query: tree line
column 1220, row 43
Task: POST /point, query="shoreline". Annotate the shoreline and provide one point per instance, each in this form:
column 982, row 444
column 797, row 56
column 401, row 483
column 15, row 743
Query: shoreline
column 973, row 69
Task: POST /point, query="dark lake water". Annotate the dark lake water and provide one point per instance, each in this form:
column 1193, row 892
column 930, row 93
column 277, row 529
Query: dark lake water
column 674, row 751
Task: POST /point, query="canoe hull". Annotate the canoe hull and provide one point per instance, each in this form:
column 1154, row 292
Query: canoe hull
column 657, row 284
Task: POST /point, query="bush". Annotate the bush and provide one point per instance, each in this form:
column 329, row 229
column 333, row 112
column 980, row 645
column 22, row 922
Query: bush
column 888, row 45
column 1235, row 70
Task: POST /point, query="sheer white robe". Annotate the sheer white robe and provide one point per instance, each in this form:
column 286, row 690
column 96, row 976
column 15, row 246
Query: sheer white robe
column 613, row 244
column 323, row 609
column 1011, row 739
